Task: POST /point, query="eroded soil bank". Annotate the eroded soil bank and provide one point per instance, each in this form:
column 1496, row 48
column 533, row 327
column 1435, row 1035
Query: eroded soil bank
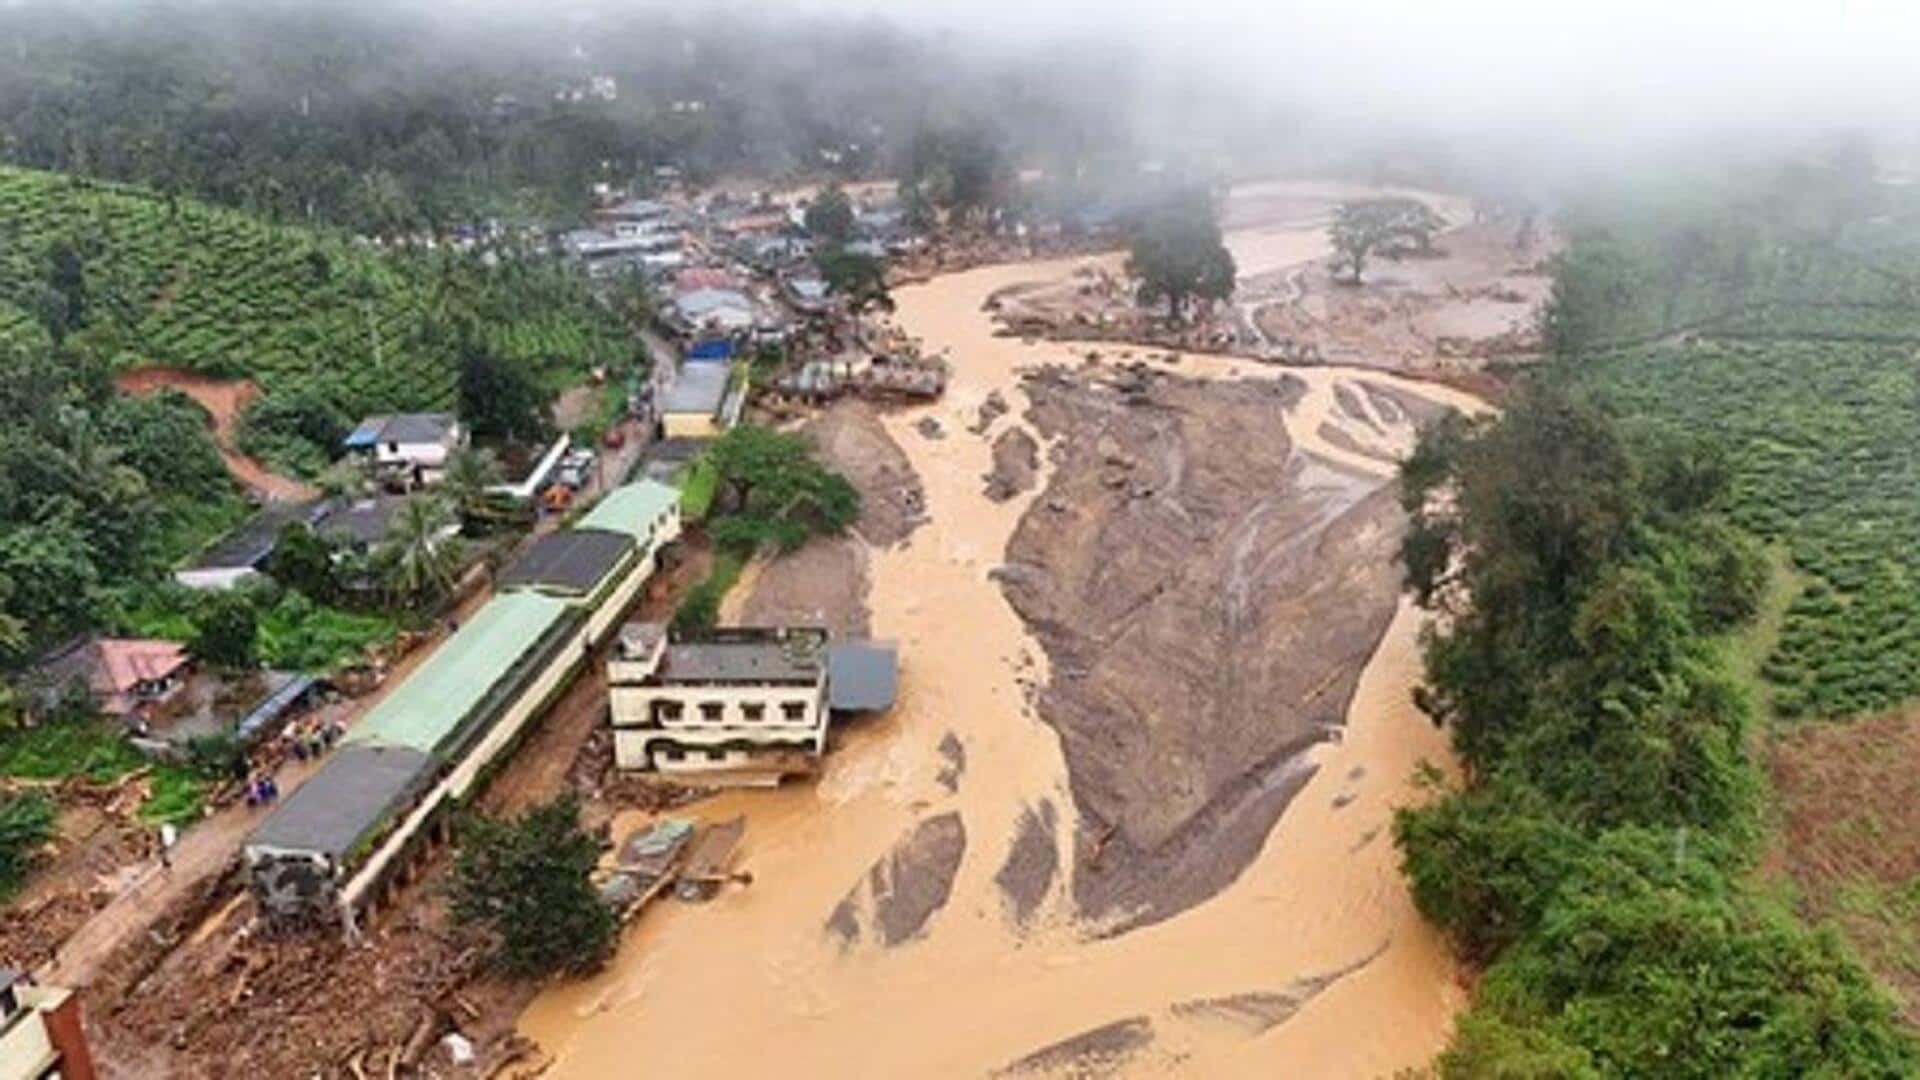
column 1307, row 959
column 1207, row 595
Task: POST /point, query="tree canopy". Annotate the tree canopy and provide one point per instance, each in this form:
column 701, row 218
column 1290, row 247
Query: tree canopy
column 1390, row 227
column 1177, row 255
column 524, row 879
column 1595, row 857
column 773, row 490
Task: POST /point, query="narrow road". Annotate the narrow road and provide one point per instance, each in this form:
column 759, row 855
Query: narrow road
column 208, row 848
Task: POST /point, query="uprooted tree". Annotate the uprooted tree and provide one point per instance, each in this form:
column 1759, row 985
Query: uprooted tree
column 525, row 880
column 1392, row 228
column 1177, row 255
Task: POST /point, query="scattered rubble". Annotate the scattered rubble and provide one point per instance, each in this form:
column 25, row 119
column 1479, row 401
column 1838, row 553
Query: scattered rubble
column 852, row 439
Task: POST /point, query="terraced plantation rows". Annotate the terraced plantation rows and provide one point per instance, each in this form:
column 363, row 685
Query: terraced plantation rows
column 1824, row 442
column 177, row 282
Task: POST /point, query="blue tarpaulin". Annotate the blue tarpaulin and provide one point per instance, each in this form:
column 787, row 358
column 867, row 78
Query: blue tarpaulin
column 711, row 349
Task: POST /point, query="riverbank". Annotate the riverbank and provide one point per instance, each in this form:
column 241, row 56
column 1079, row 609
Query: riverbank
column 1311, row 959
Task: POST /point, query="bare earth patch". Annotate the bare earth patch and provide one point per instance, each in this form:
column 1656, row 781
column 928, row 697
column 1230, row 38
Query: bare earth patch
column 904, row 889
column 1849, row 793
column 1207, row 596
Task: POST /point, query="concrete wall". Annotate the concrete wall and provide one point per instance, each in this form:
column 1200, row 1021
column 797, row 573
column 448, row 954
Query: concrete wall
column 690, row 426
column 45, row 1031
column 636, row 735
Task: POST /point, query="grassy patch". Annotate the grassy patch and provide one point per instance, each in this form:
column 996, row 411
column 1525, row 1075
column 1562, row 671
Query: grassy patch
column 698, row 480
column 298, row 634
column 175, row 795
column 700, row 608
column 94, row 749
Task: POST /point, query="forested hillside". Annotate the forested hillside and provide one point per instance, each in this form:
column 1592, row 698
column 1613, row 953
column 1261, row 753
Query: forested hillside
column 396, row 119
column 1723, row 428
column 330, row 329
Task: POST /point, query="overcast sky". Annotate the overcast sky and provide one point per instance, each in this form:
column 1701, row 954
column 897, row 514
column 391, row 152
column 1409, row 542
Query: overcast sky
column 1645, row 62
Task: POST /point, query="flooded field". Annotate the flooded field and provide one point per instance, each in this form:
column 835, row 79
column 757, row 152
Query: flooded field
column 1311, row 961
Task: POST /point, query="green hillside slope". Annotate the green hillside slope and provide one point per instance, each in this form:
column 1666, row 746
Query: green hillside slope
column 309, row 315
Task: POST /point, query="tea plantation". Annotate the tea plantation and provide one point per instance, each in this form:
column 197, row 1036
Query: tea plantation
column 173, row 281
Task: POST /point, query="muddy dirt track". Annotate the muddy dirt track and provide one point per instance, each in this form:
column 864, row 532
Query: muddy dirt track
column 1296, row 951
column 223, row 399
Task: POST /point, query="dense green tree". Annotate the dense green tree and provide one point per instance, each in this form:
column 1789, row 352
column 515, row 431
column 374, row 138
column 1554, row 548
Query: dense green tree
column 26, row 821
column 226, row 629
column 1390, row 227
column 860, row 279
column 774, row 491
column 1177, row 255
column 1595, row 857
column 500, row 399
column 305, row 561
column 525, row 880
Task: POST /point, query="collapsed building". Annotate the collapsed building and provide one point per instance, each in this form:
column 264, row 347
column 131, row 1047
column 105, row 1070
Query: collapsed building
column 357, row 827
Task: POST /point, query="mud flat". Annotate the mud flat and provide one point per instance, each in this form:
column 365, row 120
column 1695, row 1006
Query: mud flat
column 717, row 990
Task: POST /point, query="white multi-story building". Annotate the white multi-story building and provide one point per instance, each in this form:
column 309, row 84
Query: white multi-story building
column 742, row 705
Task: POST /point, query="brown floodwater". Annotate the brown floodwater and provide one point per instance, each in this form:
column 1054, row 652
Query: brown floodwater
column 752, row 983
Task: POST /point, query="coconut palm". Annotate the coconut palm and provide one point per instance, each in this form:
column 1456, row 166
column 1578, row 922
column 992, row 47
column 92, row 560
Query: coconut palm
column 420, row 558
column 469, row 473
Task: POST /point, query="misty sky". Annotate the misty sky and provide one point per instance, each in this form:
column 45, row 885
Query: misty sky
column 1635, row 62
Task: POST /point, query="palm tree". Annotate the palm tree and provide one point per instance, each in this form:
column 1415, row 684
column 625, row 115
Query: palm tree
column 421, row 557
column 469, row 473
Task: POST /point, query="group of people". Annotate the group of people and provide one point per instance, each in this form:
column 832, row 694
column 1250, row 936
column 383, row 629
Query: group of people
column 318, row 741
column 262, row 790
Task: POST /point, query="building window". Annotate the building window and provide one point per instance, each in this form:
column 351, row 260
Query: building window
column 754, row 712
column 666, row 712
column 794, row 711
column 712, row 711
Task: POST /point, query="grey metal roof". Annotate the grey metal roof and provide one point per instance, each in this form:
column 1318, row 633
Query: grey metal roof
column 364, row 521
column 573, row 561
column 357, row 789
column 862, row 676
column 417, row 427
column 270, row 708
column 699, row 388
column 248, row 545
column 755, row 657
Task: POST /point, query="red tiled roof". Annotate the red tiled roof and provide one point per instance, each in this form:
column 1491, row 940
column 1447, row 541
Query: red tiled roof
column 126, row 662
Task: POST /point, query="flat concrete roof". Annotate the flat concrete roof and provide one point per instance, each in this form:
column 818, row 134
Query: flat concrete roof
column 743, row 659
column 699, row 388
column 575, row 561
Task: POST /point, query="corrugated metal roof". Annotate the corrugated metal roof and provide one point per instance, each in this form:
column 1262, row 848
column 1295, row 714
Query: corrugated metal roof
column 352, row 794
column 575, row 561
column 427, row 710
column 862, row 676
column 631, row 509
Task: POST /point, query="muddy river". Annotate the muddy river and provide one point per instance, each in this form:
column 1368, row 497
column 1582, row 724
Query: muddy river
column 1311, row 963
